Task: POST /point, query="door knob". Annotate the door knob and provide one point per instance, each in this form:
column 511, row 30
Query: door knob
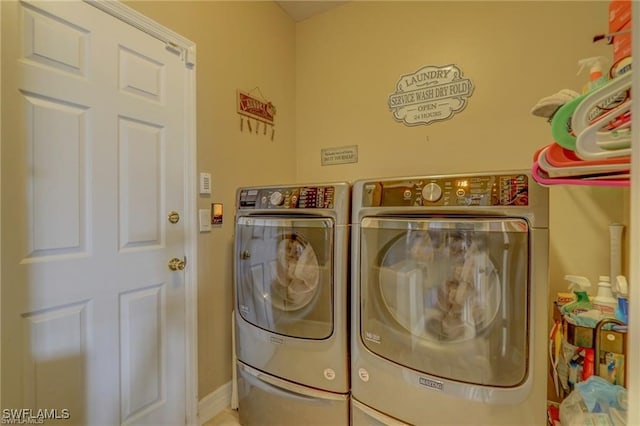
column 173, row 217
column 176, row 264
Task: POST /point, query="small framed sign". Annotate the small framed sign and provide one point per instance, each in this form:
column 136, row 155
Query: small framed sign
column 339, row 155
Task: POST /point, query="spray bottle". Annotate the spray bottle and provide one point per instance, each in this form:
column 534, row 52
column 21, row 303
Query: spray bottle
column 579, row 286
column 604, row 300
column 596, row 77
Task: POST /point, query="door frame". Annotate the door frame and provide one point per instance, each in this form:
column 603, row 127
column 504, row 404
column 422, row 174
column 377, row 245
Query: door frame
column 187, row 51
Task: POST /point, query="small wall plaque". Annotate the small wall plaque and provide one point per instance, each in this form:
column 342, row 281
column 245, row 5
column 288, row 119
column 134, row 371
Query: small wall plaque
column 339, row 155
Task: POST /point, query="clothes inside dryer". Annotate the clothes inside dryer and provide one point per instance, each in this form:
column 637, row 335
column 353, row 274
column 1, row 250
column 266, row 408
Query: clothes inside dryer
column 446, row 290
column 447, row 297
column 284, row 278
column 297, row 273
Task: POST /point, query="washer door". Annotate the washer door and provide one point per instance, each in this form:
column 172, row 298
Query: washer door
column 447, row 297
column 284, row 274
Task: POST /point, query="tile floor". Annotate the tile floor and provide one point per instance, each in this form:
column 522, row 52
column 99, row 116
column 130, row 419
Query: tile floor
column 227, row 417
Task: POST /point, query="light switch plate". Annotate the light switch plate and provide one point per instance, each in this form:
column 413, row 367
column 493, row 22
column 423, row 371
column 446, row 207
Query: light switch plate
column 205, row 183
column 204, row 218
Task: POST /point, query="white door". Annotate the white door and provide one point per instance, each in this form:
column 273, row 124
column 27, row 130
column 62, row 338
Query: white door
column 93, row 320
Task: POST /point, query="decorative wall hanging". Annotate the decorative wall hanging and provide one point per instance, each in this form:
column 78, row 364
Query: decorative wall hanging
column 253, row 105
column 430, row 94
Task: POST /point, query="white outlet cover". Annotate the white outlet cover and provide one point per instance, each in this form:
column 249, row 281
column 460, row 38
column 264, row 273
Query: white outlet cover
column 204, row 219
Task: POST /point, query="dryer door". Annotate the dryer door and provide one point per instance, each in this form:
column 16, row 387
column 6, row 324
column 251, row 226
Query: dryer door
column 284, row 274
column 447, row 296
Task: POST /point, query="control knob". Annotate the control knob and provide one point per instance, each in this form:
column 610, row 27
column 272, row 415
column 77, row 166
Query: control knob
column 431, row 192
column 276, row 198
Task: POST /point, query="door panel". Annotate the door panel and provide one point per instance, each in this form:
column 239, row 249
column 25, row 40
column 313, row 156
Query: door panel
column 56, row 134
column 142, row 379
column 140, row 172
column 55, row 367
column 93, row 320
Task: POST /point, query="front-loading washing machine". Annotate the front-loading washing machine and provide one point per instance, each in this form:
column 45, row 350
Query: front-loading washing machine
column 449, row 300
column 291, row 304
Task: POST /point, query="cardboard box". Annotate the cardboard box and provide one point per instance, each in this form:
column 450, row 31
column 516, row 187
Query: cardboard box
column 622, row 44
column 612, row 341
column 619, row 14
column 612, row 348
column 612, row 368
column 579, row 336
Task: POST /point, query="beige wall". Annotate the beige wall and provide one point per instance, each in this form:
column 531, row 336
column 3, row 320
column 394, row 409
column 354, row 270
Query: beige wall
column 350, row 59
column 330, row 77
column 240, row 45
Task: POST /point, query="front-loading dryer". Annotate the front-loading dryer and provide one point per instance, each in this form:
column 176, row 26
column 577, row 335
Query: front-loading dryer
column 291, row 304
column 449, row 289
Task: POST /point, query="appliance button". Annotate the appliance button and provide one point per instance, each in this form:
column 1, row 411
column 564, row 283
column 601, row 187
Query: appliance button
column 363, row 374
column 329, row 374
column 276, row 198
column 432, row 192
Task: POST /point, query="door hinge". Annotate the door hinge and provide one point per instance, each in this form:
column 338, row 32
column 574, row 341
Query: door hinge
column 187, row 55
column 173, row 47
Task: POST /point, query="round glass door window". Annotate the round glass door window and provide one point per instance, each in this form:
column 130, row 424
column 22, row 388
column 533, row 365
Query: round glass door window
column 440, row 285
column 296, row 274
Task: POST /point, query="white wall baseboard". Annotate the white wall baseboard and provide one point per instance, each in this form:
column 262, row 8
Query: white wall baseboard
column 213, row 404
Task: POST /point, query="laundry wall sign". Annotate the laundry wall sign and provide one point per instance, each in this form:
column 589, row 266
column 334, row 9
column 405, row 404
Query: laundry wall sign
column 432, row 93
column 252, row 105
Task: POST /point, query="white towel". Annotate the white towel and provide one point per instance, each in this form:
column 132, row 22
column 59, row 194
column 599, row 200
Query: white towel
column 547, row 106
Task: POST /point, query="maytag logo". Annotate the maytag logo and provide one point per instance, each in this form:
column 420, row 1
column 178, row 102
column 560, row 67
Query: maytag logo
column 372, row 337
column 277, row 340
column 433, row 384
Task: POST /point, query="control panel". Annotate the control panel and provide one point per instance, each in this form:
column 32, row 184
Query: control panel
column 305, row 197
column 473, row 190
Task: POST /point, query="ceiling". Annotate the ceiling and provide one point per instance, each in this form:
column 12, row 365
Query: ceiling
column 301, row 10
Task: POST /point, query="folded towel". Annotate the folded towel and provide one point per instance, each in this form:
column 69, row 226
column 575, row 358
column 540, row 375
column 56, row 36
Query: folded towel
column 547, row 106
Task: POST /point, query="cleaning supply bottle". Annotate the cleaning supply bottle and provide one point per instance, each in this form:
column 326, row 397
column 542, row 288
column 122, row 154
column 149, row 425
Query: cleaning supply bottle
column 588, row 365
column 622, row 310
column 579, row 287
column 604, row 300
column 596, row 76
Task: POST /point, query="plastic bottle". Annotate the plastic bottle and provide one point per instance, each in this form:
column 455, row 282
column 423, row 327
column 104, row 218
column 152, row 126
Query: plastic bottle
column 579, row 286
column 622, row 310
column 588, row 365
column 596, row 76
column 604, row 300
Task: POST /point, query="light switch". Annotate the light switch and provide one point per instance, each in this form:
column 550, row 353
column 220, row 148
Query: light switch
column 205, row 183
column 204, row 219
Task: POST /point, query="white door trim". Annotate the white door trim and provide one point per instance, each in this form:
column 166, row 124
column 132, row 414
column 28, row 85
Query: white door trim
column 187, row 50
column 0, row 204
column 185, row 46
